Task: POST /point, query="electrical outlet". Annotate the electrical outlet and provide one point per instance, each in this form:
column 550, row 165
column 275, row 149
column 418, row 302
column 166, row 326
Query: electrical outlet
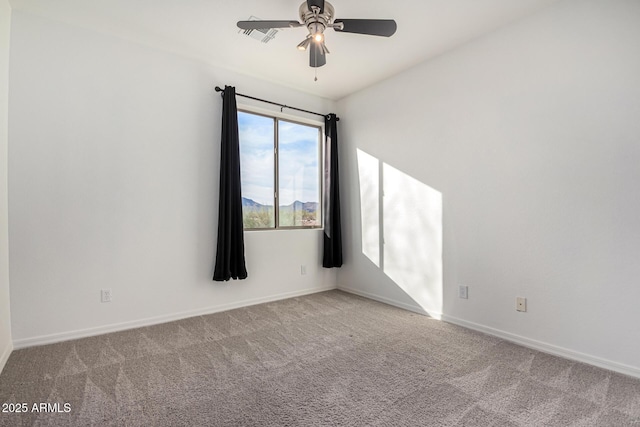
column 521, row 304
column 105, row 295
column 303, row 270
column 463, row 292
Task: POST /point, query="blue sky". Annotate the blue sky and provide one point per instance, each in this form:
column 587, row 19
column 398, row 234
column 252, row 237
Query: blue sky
column 299, row 160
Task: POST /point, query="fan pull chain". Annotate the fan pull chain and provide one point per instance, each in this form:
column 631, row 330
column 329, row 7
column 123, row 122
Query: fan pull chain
column 315, row 69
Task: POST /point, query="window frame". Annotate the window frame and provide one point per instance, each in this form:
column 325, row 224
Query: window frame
column 277, row 117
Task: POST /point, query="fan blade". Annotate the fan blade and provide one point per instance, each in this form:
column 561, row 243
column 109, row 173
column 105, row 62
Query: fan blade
column 263, row 25
column 372, row 27
column 317, row 58
column 317, row 3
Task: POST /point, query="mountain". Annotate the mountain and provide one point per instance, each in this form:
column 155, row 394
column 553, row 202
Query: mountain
column 295, row 206
column 302, row 206
column 251, row 204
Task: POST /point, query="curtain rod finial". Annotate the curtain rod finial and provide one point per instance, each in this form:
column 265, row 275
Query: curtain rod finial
column 218, row 89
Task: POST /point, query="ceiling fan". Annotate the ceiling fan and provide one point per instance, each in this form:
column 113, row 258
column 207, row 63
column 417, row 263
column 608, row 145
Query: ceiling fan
column 317, row 16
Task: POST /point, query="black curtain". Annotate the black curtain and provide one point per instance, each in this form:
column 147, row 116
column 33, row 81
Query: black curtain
column 332, row 230
column 230, row 254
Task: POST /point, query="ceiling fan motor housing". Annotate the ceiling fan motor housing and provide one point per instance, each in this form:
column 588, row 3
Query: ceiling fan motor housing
column 315, row 21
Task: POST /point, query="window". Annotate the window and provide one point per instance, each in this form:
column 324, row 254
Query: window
column 280, row 167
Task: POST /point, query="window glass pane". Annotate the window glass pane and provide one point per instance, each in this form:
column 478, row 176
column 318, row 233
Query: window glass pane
column 257, row 169
column 299, row 175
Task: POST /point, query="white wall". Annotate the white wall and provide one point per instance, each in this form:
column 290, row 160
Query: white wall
column 5, row 315
column 532, row 136
column 113, row 178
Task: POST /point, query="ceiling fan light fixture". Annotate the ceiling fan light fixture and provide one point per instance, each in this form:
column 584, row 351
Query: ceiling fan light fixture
column 319, row 37
column 304, row 44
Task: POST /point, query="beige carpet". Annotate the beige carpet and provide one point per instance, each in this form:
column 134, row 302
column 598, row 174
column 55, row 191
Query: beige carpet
column 319, row 360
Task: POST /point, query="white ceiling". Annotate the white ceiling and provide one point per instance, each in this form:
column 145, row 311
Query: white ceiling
column 206, row 29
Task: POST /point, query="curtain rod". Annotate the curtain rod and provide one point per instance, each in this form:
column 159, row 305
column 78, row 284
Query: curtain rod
column 219, row 89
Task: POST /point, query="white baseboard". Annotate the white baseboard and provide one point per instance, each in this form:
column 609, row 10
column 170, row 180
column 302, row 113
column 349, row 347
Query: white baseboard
column 116, row 327
column 524, row 341
column 5, row 355
column 415, row 308
column 547, row 348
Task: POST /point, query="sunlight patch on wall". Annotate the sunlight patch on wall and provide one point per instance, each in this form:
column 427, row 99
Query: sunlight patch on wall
column 368, row 170
column 401, row 227
column 412, row 229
